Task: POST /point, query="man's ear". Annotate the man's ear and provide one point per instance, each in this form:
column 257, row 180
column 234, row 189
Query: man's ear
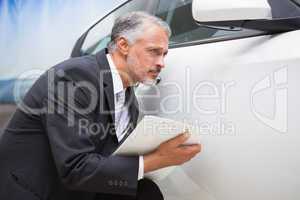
column 123, row 45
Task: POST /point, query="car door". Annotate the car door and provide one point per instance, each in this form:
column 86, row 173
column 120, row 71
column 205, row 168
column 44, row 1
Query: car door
column 239, row 87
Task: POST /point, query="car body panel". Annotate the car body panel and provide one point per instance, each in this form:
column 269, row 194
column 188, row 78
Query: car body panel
column 245, row 156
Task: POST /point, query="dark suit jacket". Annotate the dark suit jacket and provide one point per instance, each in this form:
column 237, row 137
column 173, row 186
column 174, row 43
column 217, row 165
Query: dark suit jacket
column 53, row 148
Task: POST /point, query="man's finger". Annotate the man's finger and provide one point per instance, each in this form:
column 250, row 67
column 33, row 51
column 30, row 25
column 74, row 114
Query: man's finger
column 180, row 139
column 193, row 147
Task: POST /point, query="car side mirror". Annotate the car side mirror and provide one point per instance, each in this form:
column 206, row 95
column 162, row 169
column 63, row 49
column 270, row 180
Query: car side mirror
column 230, row 10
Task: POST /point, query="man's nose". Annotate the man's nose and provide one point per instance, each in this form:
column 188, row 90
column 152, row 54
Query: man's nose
column 160, row 62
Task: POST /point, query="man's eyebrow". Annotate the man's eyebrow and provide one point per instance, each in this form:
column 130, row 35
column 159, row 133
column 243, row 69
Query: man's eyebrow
column 154, row 48
column 158, row 49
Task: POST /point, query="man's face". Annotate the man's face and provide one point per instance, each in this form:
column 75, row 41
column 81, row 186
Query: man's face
column 145, row 57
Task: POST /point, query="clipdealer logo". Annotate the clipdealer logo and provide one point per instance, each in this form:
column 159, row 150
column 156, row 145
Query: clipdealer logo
column 278, row 83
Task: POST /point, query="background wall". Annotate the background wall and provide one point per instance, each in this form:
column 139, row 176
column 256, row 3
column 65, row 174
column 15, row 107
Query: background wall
column 36, row 34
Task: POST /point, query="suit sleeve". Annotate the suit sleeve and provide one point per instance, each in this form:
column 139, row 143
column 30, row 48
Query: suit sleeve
column 79, row 165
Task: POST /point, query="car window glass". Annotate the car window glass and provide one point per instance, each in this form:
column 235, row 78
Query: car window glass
column 98, row 38
column 178, row 14
column 284, row 9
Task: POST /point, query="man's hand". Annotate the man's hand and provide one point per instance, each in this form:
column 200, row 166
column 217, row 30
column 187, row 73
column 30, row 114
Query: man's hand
column 171, row 152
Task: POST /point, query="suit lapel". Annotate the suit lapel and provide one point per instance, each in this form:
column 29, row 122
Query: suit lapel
column 106, row 101
column 106, row 88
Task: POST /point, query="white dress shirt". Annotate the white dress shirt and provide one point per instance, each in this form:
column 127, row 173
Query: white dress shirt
column 122, row 117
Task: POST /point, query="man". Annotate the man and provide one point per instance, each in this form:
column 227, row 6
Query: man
column 59, row 142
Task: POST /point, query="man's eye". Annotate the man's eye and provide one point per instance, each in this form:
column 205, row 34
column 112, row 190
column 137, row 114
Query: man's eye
column 154, row 52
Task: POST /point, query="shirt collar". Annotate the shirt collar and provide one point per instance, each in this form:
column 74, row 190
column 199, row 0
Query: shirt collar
column 117, row 81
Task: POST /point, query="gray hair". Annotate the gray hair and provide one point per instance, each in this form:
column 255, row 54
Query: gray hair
column 132, row 26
